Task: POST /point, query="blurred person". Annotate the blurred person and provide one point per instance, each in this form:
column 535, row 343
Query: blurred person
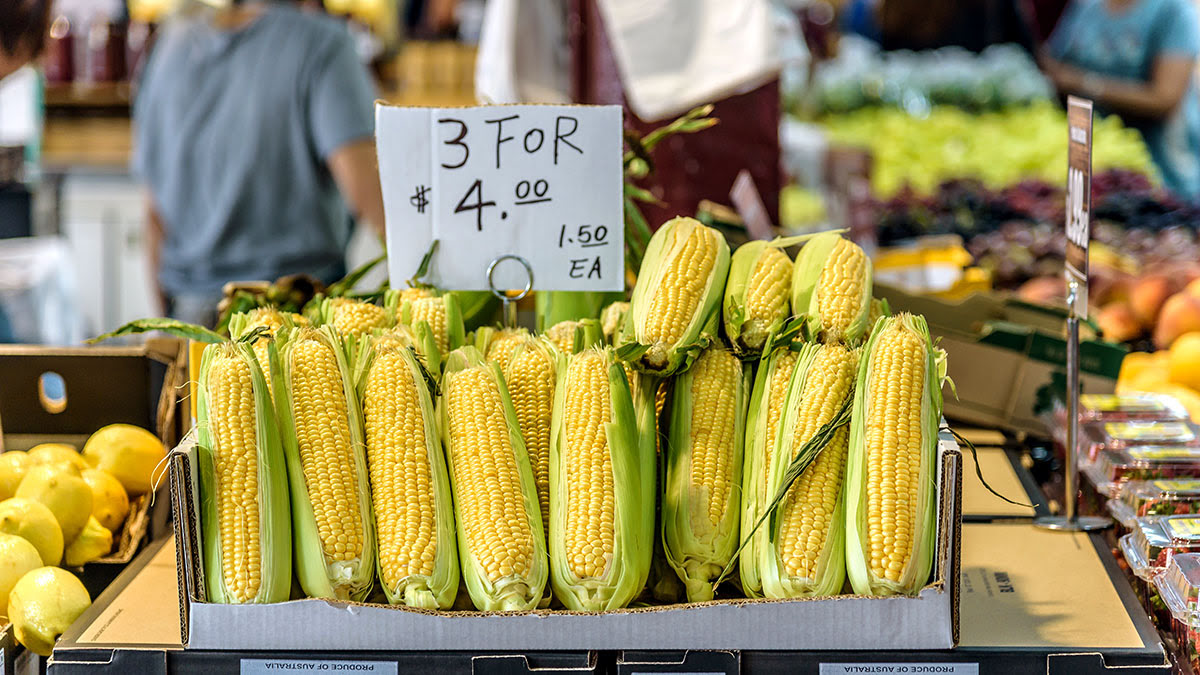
column 1136, row 58
column 253, row 131
column 23, row 25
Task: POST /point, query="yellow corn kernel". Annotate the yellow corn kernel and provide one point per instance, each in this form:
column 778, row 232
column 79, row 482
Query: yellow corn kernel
column 433, row 311
column 714, row 415
column 352, row 317
column 589, row 535
column 320, row 411
column 777, row 391
column 769, row 291
column 840, row 289
column 398, row 466
column 232, row 416
column 490, row 504
column 893, row 446
column 504, row 345
column 678, row 297
column 808, row 509
column 562, row 334
column 530, row 379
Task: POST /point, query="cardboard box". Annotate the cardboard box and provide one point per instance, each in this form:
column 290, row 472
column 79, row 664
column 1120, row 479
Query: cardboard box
column 1007, row 358
column 928, row 621
column 138, row 385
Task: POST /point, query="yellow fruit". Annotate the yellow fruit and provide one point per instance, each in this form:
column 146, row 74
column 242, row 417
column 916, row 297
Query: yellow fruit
column 17, row 558
column 92, row 544
column 54, row 453
column 13, row 467
column 129, row 453
column 35, row 523
column 1183, row 362
column 43, row 605
column 1135, row 363
column 66, row 495
column 110, row 504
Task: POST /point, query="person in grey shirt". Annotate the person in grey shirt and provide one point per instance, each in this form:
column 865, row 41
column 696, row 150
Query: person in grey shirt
column 254, row 134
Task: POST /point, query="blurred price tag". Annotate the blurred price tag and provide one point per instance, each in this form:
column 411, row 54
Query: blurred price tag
column 538, row 181
column 1079, row 197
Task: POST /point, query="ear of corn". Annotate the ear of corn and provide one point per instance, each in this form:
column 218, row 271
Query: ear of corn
column 890, row 472
column 572, row 337
column 673, row 313
column 354, row 317
column 831, row 286
column 501, row 547
column 704, row 466
column 805, row 552
column 767, row 400
column 319, row 417
column 269, row 318
column 757, row 296
column 417, row 561
column 436, row 322
column 503, row 344
column 246, row 534
column 531, row 377
column 552, row 307
column 601, row 523
column 611, row 319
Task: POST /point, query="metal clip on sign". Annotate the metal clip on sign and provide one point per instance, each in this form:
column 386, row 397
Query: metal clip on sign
column 510, row 301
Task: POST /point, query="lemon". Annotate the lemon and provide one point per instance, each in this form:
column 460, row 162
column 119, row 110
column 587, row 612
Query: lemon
column 43, row 605
column 110, row 504
column 35, row 523
column 54, row 453
column 94, row 542
column 1183, row 362
column 127, row 452
column 66, row 495
column 17, row 557
column 13, row 466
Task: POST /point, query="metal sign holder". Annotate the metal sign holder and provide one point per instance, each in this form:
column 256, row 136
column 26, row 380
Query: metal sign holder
column 509, row 302
column 1070, row 521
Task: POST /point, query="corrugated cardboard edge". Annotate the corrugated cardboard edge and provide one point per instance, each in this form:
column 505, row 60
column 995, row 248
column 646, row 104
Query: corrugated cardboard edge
column 521, row 631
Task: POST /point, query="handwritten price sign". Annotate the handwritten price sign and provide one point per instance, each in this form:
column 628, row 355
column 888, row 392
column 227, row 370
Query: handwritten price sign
column 1079, row 196
column 540, row 182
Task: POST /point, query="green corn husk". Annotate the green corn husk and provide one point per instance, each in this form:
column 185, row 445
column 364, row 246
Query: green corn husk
column 747, row 335
column 477, row 308
column 635, row 343
column 633, row 473
column 611, row 319
column 438, row 590
column 916, row 573
column 274, row 525
column 552, row 307
column 695, row 547
column 319, row 575
column 806, row 290
column 754, row 470
column 514, row 592
column 831, row 567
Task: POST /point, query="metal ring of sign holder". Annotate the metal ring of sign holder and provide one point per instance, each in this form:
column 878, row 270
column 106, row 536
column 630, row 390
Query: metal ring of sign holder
column 510, row 306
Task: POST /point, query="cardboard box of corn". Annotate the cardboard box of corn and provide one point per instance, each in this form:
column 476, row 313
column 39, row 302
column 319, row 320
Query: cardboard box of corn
column 746, row 455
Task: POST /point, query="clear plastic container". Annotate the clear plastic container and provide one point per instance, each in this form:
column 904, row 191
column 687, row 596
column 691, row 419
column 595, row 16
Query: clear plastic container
column 1169, row 497
column 1098, row 436
column 1142, row 407
column 1148, row 550
column 1179, row 587
column 1113, row 468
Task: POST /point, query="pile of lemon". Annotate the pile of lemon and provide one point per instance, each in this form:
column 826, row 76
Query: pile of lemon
column 63, row 507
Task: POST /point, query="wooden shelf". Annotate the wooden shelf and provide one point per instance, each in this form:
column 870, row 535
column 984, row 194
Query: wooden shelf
column 88, row 95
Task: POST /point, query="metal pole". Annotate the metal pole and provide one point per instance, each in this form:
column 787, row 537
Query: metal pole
column 1071, row 521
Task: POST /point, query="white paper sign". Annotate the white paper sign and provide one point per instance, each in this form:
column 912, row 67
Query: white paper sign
column 538, row 181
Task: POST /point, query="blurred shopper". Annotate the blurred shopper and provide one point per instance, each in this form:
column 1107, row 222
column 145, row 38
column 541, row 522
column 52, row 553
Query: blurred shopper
column 253, row 131
column 1136, row 58
column 22, row 32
